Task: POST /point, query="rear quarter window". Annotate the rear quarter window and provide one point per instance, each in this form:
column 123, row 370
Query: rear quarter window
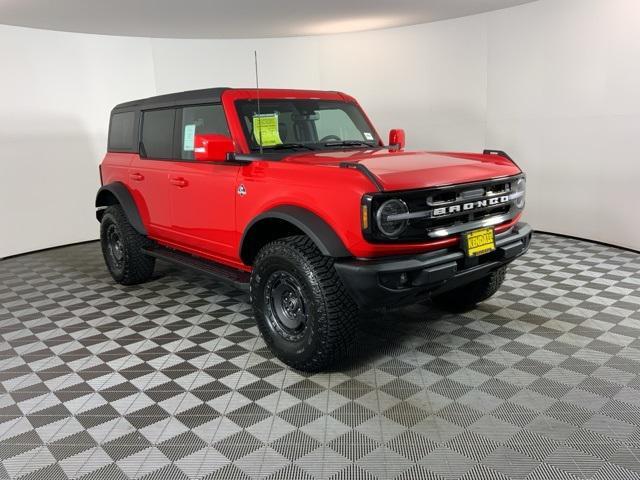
column 122, row 132
column 157, row 133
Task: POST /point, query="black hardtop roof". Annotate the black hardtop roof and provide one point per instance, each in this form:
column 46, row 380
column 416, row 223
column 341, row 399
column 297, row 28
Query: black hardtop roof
column 190, row 97
column 204, row 95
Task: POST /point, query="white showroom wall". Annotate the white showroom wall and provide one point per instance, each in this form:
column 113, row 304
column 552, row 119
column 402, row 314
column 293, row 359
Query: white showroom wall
column 56, row 91
column 429, row 79
column 553, row 82
column 564, row 99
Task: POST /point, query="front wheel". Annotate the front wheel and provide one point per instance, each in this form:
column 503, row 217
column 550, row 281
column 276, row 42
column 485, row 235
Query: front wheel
column 300, row 305
column 469, row 295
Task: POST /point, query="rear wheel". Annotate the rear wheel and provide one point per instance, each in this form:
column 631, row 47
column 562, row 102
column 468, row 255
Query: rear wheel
column 122, row 248
column 469, row 295
column 300, row 305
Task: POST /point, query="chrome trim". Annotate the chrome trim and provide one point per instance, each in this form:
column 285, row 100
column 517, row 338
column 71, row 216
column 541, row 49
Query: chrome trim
column 429, row 213
column 492, row 193
column 409, row 216
column 459, row 199
column 472, row 193
column 460, row 190
column 486, row 222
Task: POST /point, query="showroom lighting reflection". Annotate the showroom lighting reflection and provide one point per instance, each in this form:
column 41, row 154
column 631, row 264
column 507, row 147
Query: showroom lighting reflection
column 354, row 25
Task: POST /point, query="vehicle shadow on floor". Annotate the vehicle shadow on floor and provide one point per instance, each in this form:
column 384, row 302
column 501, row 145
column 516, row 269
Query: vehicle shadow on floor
column 396, row 332
column 381, row 334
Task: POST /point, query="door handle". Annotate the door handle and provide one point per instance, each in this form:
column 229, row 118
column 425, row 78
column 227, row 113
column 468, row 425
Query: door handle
column 138, row 177
column 178, row 182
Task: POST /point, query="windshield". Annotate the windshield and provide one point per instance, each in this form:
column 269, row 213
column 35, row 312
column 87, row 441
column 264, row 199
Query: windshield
column 304, row 124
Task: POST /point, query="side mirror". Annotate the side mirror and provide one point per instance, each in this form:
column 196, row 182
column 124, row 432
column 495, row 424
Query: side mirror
column 212, row 147
column 396, row 138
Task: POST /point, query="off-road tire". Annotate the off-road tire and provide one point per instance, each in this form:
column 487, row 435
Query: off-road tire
column 331, row 314
column 135, row 267
column 469, row 295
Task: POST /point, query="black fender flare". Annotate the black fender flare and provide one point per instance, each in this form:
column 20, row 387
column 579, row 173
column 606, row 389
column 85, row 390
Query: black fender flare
column 124, row 198
column 322, row 234
column 500, row 153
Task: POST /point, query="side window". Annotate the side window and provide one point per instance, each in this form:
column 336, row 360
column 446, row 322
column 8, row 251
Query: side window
column 121, row 132
column 157, row 133
column 199, row 120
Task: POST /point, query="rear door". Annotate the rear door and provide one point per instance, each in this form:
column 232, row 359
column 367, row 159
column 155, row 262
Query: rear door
column 149, row 174
column 202, row 194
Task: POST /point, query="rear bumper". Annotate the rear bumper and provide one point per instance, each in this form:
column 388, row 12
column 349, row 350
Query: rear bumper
column 379, row 282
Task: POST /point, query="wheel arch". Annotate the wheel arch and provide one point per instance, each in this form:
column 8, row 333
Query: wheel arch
column 117, row 193
column 287, row 220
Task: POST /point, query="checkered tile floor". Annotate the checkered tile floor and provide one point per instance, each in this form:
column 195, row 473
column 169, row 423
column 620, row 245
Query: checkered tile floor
column 170, row 380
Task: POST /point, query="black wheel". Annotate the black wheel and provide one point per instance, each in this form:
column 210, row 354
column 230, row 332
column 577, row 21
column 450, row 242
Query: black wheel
column 300, row 305
column 469, row 295
column 122, row 248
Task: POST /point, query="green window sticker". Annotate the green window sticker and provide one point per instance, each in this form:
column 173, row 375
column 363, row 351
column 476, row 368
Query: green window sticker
column 189, row 137
column 265, row 129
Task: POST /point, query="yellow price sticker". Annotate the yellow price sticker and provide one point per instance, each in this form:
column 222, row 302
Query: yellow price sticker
column 265, row 129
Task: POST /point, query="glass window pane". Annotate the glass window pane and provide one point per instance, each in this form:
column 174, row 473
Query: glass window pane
column 121, row 131
column 199, row 120
column 335, row 123
column 316, row 123
column 157, row 133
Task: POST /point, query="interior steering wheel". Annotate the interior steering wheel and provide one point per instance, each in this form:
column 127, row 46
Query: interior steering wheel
column 330, row 137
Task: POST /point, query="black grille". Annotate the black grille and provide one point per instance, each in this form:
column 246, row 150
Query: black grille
column 427, row 201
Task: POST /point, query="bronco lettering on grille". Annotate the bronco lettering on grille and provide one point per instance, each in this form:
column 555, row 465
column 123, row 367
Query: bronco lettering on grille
column 465, row 207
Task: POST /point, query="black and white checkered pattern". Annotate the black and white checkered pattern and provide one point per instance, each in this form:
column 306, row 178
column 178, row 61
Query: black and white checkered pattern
column 171, row 380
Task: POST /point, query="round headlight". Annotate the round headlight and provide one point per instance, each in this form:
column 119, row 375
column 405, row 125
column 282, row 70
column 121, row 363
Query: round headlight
column 384, row 217
column 519, row 192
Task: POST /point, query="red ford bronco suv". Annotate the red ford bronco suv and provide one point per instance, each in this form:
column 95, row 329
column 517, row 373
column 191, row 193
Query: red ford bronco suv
column 293, row 196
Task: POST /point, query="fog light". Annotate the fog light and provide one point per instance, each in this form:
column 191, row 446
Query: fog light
column 395, row 281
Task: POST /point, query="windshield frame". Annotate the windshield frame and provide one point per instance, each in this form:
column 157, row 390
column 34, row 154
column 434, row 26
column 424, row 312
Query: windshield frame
column 329, row 145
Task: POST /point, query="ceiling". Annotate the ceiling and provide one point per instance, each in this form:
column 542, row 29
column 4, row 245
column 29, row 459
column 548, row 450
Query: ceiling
column 234, row 18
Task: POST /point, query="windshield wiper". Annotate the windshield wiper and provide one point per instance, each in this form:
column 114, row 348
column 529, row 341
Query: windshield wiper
column 282, row 146
column 349, row 143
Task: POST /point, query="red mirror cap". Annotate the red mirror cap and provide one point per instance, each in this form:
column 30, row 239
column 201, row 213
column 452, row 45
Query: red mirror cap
column 212, row 147
column 397, row 138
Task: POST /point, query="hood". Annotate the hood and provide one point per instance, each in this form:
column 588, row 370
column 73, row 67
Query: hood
column 411, row 170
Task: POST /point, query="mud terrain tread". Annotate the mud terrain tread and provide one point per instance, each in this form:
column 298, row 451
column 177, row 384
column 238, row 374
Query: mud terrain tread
column 339, row 322
column 138, row 267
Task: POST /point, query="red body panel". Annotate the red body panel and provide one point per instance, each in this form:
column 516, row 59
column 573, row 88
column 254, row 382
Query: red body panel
column 410, row 170
column 195, row 206
column 149, row 184
column 203, row 210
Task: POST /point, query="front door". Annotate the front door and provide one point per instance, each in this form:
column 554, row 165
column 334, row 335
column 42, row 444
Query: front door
column 202, row 194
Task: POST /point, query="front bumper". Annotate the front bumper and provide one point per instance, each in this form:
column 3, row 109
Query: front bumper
column 380, row 282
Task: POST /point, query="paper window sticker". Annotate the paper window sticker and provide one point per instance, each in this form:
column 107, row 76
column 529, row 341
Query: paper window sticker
column 368, row 136
column 189, row 137
column 266, row 131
